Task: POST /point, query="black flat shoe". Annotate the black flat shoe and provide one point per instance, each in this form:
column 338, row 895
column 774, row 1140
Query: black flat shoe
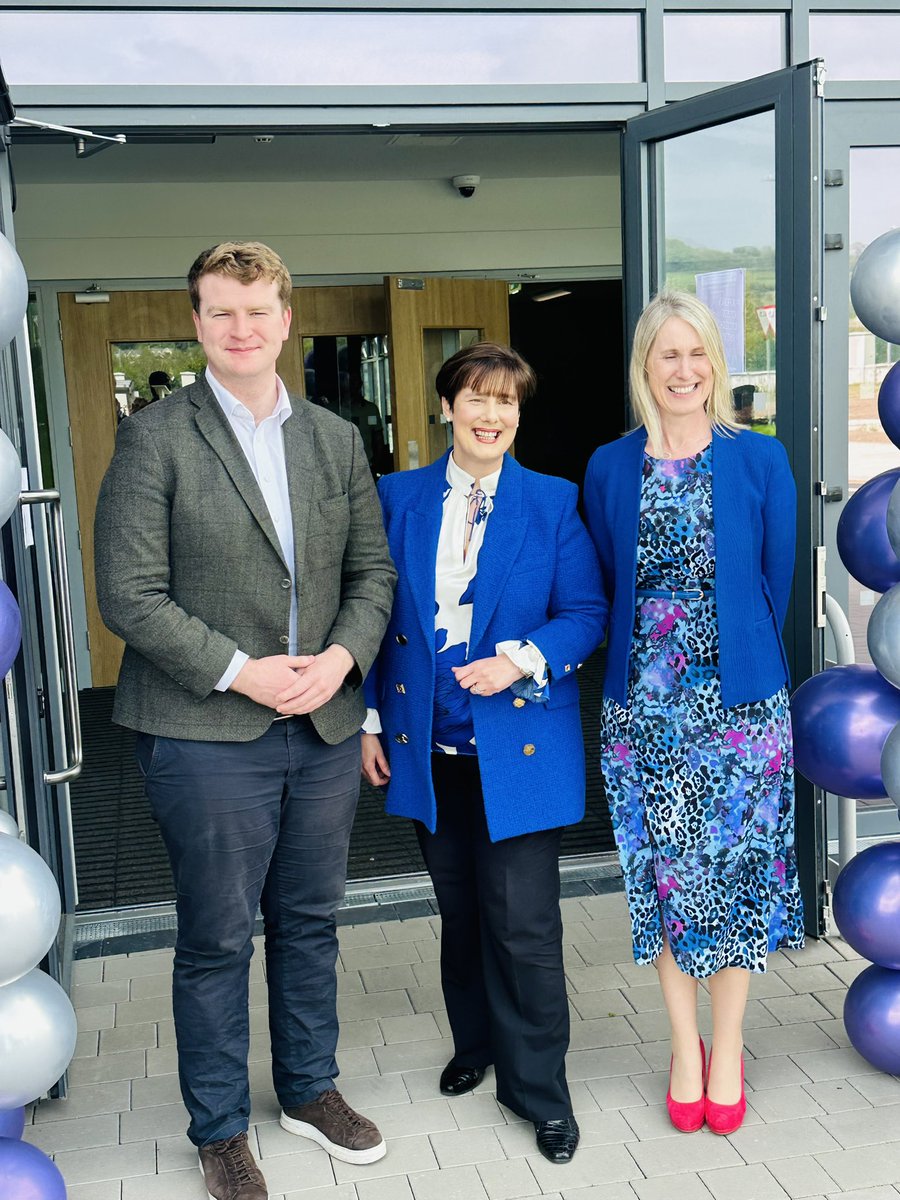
column 456, row 1081
column 558, row 1140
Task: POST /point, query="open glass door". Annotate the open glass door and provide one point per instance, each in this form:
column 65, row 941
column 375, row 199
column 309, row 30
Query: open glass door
column 40, row 745
column 722, row 197
column 428, row 320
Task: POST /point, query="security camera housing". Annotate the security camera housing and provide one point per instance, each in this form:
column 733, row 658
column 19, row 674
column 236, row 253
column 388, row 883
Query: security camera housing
column 466, row 184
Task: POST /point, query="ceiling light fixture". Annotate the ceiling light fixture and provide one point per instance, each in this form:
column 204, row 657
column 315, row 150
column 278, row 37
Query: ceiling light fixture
column 556, row 294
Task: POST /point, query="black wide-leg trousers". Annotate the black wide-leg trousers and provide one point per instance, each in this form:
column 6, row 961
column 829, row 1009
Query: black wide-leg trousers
column 501, row 945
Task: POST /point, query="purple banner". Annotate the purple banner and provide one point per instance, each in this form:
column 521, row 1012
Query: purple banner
column 723, row 292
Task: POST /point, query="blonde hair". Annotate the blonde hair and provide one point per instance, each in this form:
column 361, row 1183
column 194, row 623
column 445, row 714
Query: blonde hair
column 666, row 304
column 244, row 261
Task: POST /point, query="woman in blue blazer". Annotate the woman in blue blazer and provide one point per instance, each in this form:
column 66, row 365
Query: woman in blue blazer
column 693, row 519
column 498, row 602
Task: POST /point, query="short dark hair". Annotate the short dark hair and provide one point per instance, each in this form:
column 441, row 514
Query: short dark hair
column 244, row 261
column 486, row 367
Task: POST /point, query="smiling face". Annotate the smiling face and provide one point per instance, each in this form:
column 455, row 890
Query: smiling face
column 678, row 369
column 242, row 328
column 484, row 426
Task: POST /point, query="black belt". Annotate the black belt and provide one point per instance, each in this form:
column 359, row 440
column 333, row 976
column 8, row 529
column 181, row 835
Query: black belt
column 686, row 594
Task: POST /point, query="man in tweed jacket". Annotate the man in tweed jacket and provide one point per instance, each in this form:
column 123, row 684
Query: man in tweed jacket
column 241, row 557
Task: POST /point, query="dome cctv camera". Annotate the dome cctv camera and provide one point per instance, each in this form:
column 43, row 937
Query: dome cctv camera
column 466, row 184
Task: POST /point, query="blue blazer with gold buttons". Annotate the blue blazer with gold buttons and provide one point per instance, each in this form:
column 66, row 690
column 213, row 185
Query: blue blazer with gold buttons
column 538, row 578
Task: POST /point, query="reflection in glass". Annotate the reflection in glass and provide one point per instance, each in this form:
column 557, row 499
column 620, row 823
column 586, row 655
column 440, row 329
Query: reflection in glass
column 350, row 376
column 874, row 186
column 437, row 346
column 40, row 391
column 310, row 49
column 856, row 45
column 717, row 199
column 145, row 371
column 722, row 46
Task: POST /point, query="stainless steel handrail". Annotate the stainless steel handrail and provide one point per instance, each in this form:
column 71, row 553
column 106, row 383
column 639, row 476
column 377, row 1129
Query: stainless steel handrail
column 63, row 604
column 845, row 654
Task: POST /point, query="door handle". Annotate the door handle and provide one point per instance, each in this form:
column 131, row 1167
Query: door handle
column 63, row 604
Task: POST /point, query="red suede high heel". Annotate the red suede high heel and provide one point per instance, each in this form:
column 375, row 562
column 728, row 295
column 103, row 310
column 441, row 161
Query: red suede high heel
column 726, row 1118
column 688, row 1117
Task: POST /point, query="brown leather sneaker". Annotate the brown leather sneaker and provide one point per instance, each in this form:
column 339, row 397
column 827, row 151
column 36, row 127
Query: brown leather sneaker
column 230, row 1171
column 330, row 1121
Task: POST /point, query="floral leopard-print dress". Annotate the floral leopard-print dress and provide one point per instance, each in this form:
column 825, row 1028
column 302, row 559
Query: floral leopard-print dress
column 701, row 796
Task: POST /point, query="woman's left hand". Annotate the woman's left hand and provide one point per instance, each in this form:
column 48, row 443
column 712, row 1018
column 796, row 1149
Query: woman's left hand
column 488, row 676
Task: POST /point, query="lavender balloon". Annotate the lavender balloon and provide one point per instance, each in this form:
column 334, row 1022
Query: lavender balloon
column 889, row 404
column 862, row 534
column 37, row 1038
column 872, row 1017
column 841, row 719
column 26, row 1173
column 883, row 635
column 893, row 519
column 890, row 765
column 12, row 1122
column 10, row 628
column 867, row 904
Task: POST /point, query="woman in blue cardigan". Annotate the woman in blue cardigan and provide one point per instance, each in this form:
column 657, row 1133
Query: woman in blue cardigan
column 498, row 602
column 693, row 519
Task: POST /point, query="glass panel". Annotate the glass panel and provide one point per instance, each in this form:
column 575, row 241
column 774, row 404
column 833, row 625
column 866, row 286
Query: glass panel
column 309, row 49
column 350, row 376
column 40, row 392
column 722, row 46
column 144, row 371
column 856, row 45
column 718, row 212
column 874, row 187
column 437, row 346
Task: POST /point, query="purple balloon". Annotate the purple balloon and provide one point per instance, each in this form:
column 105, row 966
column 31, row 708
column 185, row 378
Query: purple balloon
column 12, row 1122
column 11, row 628
column 889, row 403
column 867, row 904
column 862, row 537
column 841, row 719
column 26, row 1173
column 872, row 1017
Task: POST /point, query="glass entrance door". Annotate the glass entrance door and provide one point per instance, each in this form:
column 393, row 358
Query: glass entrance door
column 722, row 198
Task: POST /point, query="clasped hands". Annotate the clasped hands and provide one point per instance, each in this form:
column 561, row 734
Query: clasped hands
column 488, row 676
column 294, row 684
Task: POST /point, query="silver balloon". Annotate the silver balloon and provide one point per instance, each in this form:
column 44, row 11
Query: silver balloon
column 875, row 286
column 8, row 824
column 10, row 478
column 29, row 909
column 893, row 519
column 37, row 1037
column 13, row 292
column 890, row 765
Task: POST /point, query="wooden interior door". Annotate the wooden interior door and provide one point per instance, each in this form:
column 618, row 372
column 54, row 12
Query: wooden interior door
column 423, row 313
column 88, row 333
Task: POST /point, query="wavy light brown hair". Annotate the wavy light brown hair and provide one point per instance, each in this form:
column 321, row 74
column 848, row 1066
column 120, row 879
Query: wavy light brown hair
column 244, row 261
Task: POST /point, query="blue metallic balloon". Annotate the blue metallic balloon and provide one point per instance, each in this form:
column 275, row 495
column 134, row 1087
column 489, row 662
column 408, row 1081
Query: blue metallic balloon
column 10, row 628
column 26, row 1173
column 841, row 719
column 12, row 1122
column 862, row 534
column 867, row 904
column 889, row 403
column 872, row 1017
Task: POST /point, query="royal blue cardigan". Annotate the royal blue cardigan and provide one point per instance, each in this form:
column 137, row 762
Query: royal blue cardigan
column 754, row 504
column 538, row 579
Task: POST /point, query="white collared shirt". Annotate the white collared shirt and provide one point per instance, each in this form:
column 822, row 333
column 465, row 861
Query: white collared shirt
column 263, row 447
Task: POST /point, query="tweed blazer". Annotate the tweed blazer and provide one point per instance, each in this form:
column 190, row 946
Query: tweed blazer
column 754, row 502
column 537, row 578
column 189, row 567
